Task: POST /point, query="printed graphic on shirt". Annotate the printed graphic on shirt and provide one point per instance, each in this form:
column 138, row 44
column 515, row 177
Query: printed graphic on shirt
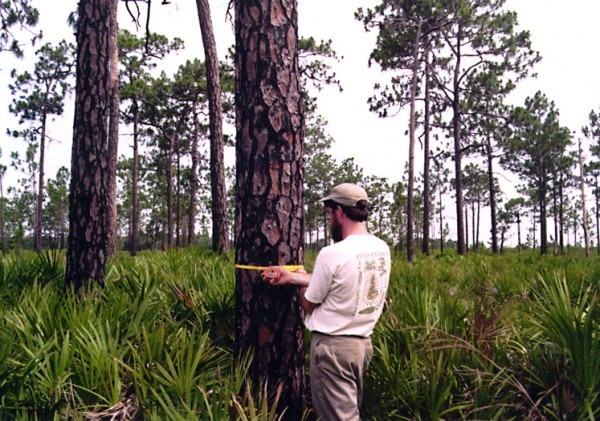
column 371, row 275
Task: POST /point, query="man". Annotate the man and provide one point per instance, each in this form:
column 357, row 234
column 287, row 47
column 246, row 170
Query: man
column 343, row 298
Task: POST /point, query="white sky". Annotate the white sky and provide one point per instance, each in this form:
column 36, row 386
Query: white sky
column 566, row 35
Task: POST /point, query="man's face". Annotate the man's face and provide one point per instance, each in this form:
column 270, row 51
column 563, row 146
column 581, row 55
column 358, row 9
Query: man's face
column 336, row 227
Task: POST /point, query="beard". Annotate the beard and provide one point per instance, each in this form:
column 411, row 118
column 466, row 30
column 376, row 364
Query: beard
column 336, row 231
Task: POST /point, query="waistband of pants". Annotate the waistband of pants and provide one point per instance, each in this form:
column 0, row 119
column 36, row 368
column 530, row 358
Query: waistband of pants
column 340, row 336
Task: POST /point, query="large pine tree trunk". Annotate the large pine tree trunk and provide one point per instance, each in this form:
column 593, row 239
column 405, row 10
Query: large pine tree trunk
column 217, row 144
column 269, row 211
column 89, row 235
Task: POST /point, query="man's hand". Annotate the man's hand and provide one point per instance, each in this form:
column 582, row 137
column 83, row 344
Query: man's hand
column 279, row 275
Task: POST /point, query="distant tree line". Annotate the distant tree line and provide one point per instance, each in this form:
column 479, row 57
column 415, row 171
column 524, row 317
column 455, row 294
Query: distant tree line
column 454, row 94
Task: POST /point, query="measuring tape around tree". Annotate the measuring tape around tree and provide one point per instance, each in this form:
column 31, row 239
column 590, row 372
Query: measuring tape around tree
column 271, row 272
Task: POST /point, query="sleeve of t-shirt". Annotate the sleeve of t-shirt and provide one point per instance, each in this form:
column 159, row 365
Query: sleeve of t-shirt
column 321, row 279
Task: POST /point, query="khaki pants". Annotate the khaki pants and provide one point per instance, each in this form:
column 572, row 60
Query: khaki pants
column 337, row 366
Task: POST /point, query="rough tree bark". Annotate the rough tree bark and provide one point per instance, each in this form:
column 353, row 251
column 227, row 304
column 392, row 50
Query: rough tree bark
column 220, row 232
column 91, row 180
column 113, row 131
column 269, row 211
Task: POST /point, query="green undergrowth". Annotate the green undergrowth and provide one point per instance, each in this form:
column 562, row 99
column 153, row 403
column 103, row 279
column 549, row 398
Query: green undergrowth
column 476, row 337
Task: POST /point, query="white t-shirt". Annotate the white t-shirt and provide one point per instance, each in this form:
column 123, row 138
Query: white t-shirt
column 349, row 282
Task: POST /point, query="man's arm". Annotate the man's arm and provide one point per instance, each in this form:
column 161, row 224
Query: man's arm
column 299, row 278
column 306, row 305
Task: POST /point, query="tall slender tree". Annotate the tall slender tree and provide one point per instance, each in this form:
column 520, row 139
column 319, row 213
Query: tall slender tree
column 537, row 141
column 37, row 96
column 58, row 207
column 403, row 44
column 217, row 144
column 584, row 223
column 138, row 57
column 475, row 184
column 269, row 187
column 190, row 85
column 479, row 34
column 318, row 173
column 485, row 124
column 514, row 209
column 592, row 133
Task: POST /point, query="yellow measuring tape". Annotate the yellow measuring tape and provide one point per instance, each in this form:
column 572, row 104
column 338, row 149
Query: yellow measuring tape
column 291, row 268
column 269, row 273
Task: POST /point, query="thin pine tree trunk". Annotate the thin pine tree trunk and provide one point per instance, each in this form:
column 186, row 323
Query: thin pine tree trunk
column 37, row 238
column 220, row 230
column 461, row 245
column 411, row 147
column 586, row 239
column 113, row 133
column 169, row 174
column 135, row 213
column 426, row 161
column 191, row 235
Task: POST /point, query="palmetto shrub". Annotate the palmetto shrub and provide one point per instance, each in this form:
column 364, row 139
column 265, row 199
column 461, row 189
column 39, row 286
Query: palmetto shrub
column 483, row 337
column 156, row 342
column 473, row 337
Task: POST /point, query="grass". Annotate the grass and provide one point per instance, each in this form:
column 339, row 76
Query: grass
column 474, row 337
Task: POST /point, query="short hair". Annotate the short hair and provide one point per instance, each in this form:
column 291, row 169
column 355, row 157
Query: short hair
column 358, row 213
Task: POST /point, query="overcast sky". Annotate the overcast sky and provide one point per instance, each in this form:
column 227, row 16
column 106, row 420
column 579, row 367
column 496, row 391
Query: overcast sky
column 565, row 34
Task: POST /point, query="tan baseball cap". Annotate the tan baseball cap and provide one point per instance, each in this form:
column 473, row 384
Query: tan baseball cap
column 347, row 194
